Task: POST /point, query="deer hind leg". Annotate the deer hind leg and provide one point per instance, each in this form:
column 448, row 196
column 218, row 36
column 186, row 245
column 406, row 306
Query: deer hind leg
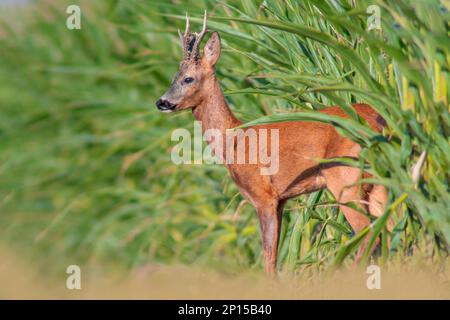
column 377, row 199
column 342, row 182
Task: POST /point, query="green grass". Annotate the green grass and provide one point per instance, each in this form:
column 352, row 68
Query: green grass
column 85, row 170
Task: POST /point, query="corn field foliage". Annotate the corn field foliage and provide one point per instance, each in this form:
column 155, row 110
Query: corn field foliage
column 85, row 169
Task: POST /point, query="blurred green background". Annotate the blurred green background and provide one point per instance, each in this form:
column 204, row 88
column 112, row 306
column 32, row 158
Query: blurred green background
column 85, row 170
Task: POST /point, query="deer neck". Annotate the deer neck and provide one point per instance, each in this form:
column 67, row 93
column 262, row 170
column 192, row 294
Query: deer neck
column 214, row 112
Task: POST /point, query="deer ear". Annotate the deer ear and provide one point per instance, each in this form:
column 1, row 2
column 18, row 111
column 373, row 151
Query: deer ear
column 212, row 49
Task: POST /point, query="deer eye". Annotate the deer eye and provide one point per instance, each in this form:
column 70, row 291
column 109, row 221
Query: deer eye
column 188, row 80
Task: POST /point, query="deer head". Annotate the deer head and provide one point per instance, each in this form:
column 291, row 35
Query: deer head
column 195, row 77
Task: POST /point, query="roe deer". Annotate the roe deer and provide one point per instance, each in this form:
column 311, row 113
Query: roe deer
column 196, row 87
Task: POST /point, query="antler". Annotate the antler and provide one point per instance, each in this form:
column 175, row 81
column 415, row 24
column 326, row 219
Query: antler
column 198, row 40
column 186, row 30
column 186, row 39
column 191, row 41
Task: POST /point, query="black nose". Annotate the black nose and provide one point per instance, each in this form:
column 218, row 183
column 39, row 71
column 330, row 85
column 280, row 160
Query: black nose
column 165, row 105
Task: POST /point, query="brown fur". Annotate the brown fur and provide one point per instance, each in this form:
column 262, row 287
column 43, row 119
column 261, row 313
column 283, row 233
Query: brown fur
column 300, row 143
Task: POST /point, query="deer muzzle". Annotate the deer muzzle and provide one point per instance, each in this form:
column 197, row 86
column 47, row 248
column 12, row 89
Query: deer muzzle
column 165, row 105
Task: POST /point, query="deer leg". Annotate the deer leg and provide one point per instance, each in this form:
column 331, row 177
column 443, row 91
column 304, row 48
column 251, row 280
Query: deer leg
column 270, row 218
column 377, row 198
column 340, row 181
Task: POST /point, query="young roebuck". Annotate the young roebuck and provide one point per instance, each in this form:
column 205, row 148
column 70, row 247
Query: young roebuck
column 300, row 143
